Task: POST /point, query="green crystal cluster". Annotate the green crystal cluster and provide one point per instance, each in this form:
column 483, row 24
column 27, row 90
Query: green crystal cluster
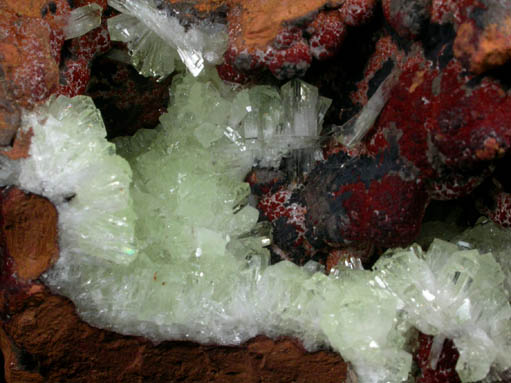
column 489, row 237
column 73, row 165
column 201, row 271
column 158, row 41
column 362, row 321
column 150, row 55
column 453, row 293
column 285, row 123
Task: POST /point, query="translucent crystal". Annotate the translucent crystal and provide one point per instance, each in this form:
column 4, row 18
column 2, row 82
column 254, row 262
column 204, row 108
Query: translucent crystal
column 150, row 55
column 284, row 124
column 353, row 131
column 82, row 20
column 488, row 237
column 147, row 27
column 362, row 323
column 202, row 272
column 73, row 165
column 458, row 294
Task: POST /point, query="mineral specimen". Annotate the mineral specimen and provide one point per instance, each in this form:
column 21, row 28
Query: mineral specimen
column 284, row 124
column 286, row 42
column 159, row 235
column 489, row 237
column 76, row 168
column 456, row 294
column 82, row 20
column 365, row 199
column 156, row 38
column 150, row 54
column 195, row 235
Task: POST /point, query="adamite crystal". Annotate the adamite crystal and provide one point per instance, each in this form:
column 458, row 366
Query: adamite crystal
column 362, row 322
column 201, row 271
column 82, row 20
column 456, row 294
column 73, row 165
column 150, row 55
column 284, row 123
column 156, row 37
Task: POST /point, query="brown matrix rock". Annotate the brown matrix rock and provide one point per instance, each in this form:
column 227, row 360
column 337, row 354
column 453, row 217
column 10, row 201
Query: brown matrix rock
column 43, row 339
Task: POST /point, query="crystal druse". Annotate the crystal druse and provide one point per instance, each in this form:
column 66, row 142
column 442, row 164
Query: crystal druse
column 157, row 237
column 192, row 265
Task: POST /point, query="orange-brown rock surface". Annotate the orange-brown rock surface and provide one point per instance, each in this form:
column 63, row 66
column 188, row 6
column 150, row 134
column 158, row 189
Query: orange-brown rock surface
column 282, row 36
column 30, row 42
column 29, row 232
column 259, row 22
column 484, row 49
column 42, row 339
column 483, row 39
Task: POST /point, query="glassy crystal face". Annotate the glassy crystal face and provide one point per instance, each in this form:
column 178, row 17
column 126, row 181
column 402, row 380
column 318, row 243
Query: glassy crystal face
column 353, row 131
column 82, row 20
column 202, row 272
column 73, row 165
column 150, row 55
column 488, row 237
column 284, row 124
column 456, row 294
column 361, row 321
column 156, row 38
column 157, row 238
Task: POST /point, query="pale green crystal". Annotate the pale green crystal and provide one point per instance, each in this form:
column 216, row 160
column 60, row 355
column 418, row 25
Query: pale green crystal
column 73, row 165
column 82, row 20
column 202, row 273
column 361, row 321
column 150, row 55
column 458, row 294
column 487, row 236
column 155, row 38
column 285, row 123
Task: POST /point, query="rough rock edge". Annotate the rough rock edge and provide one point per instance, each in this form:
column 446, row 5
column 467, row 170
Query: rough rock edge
column 43, row 339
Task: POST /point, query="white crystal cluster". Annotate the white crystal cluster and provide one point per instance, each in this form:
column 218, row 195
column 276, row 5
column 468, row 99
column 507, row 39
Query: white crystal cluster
column 156, row 39
column 201, row 271
column 285, row 123
column 453, row 293
column 72, row 164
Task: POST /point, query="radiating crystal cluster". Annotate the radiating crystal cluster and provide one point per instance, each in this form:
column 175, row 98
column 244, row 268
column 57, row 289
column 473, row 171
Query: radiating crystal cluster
column 285, row 123
column 488, row 237
column 363, row 323
column 201, row 272
column 453, row 293
column 156, row 38
column 73, row 165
